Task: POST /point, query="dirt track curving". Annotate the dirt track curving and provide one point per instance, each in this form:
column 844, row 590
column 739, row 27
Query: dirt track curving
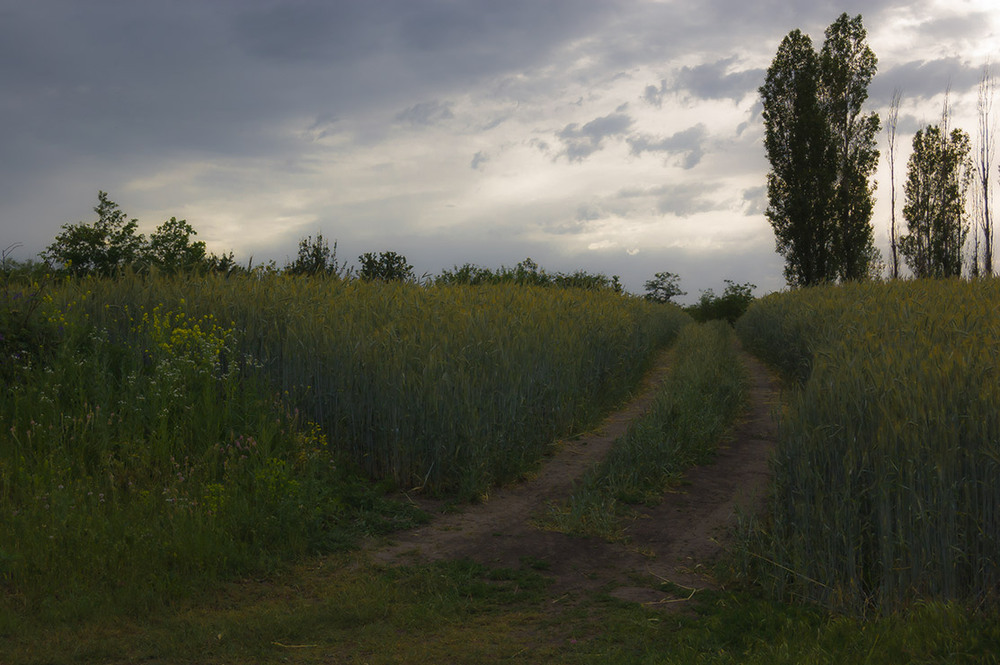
column 675, row 541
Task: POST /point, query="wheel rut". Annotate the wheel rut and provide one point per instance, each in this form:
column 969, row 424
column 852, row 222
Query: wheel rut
column 675, row 541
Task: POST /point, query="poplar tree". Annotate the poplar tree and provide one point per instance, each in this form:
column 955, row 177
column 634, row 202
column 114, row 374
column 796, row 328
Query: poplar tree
column 822, row 151
column 939, row 172
column 801, row 182
column 847, row 66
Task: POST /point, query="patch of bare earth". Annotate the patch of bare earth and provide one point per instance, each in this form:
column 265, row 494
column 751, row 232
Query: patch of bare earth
column 675, row 541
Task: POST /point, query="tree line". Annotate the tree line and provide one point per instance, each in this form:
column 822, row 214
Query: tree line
column 112, row 244
column 821, row 145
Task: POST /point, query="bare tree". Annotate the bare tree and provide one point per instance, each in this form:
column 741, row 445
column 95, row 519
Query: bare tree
column 984, row 158
column 890, row 128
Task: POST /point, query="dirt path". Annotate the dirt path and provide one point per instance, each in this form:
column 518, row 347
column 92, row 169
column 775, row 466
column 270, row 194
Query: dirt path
column 674, row 541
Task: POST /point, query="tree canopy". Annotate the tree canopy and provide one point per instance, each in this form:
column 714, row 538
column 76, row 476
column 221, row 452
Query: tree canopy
column 315, row 258
column 847, row 66
column 112, row 243
column 386, row 266
column 663, row 287
column 102, row 247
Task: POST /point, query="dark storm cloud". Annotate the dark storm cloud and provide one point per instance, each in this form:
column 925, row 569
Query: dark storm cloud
column 110, row 82
column 718, row 80
column 658, row 32
column 104, row 91
column 588, row 212
column 109, row 88
column 654, row 94
column 581, row 142
column 713, row 80
column 302, row 31
column 687, row 200
column 688, row 144
column 435, row 42
column 426, row 113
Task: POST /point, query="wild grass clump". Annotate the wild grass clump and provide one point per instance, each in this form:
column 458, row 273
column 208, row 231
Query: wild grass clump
column 885, row 476
column 704, row 393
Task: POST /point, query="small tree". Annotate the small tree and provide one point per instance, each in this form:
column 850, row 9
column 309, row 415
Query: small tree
column 170, row 248
column 663, row 287
column 529, row 272
column 315, row 258
column 386, row 266
column 581, row 279
column 225, row 263
column 104, row 247
column 466, row 274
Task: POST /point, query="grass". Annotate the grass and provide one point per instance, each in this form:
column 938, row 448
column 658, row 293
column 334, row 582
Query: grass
column 345, row 609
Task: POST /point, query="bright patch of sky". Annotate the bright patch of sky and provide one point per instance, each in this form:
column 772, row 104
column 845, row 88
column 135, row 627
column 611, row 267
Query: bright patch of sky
column 619, row 137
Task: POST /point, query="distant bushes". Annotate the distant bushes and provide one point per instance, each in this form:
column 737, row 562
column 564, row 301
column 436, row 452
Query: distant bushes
column 728, row 307
column 527, row 273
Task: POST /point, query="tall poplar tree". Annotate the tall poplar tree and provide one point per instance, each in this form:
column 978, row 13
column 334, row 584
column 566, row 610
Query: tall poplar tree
column 847, row 66
column 822, row 151
column 801, row 182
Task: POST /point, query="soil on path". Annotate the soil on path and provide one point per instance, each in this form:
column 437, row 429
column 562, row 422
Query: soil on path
column 675, row 541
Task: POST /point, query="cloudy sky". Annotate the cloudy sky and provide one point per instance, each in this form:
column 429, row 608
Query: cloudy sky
column 615, row 136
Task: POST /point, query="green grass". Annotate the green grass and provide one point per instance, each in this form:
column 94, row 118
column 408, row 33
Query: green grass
column 344, row 609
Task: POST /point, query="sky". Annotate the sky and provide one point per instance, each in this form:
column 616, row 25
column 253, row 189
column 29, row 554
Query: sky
column 614, row 136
